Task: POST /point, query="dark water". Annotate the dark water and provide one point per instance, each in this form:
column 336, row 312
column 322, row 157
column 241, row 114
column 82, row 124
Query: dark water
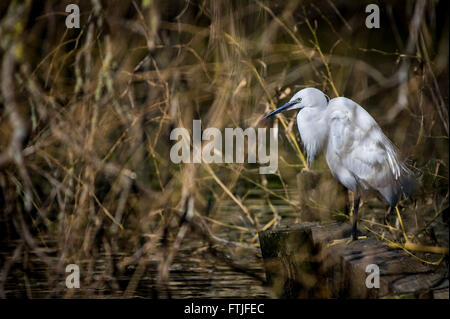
column 194, row 272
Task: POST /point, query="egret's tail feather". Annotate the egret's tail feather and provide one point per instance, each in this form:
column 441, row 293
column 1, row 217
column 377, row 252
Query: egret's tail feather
column 390, row 194
column 406, row 186
column 409, row 185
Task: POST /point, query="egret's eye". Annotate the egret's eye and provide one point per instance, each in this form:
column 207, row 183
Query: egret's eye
column 299, row 99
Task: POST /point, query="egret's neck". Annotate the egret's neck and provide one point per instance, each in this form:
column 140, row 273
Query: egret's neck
column 313, row 130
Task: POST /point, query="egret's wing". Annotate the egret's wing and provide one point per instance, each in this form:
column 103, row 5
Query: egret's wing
column 351, row 143
column 358, row 143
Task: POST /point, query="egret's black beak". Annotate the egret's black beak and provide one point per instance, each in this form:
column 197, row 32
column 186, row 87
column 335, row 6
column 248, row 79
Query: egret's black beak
column 280, row 109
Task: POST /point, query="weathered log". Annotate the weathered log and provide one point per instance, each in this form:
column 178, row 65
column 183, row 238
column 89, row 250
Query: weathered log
column 300, row 263
column 441, row 294
column 289, row 262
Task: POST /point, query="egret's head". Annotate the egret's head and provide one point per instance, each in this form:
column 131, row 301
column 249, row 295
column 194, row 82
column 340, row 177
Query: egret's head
column 309, row 97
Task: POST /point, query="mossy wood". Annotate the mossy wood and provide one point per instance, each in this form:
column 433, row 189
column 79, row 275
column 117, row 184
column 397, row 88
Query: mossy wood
column 300, row 263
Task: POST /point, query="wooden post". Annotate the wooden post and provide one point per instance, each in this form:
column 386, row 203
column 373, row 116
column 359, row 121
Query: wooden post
column 289, row 262
column 299, row 263
column 320, row 195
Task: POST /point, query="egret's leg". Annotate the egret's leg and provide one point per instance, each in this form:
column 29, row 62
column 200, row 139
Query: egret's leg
column 355, row 218
column 354, row 235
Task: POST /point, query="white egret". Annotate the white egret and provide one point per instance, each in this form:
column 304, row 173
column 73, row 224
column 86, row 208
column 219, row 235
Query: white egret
column 357, row 152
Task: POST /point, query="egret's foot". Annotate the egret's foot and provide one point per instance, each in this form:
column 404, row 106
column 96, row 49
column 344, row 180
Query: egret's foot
column 345, row 240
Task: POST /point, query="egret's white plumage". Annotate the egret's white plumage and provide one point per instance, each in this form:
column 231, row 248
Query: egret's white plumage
column 358, row 154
